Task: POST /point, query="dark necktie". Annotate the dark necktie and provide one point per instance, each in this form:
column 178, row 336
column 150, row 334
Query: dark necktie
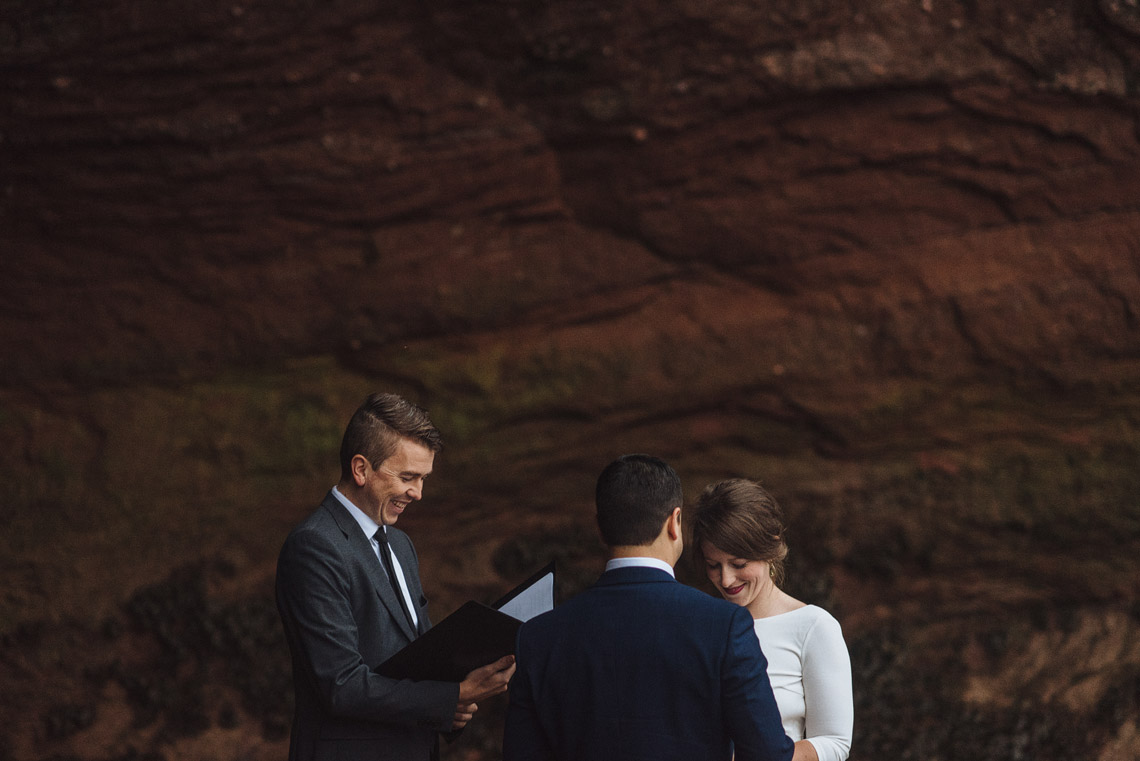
column 386, row 558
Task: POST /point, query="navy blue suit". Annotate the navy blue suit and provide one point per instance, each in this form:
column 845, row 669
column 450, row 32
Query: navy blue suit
column 640, row 666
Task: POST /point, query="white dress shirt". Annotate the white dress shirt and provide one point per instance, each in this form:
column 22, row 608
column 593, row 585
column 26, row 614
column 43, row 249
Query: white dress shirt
column 369, row 526
column 660, row 565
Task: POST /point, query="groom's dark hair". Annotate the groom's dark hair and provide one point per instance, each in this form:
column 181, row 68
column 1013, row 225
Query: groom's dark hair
column 634, row 496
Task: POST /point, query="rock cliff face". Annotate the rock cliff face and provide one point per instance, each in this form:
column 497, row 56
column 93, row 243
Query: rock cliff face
column 883, row 256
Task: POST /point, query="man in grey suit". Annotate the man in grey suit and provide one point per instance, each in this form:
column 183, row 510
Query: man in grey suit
column 349, row 594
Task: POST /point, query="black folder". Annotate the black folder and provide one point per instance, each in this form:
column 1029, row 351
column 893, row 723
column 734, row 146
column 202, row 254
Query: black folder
column 472, row 636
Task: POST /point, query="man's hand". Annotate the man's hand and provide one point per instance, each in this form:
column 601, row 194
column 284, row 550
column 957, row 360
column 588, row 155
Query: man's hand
column 484, row 682
column 463, row 714
column 487, row 681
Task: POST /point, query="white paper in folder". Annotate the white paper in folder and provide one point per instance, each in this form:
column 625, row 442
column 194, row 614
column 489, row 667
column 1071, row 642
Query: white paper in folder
column 533, row 598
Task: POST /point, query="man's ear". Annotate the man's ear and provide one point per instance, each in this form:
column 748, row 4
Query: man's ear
column 360, row 469
column 673, row 523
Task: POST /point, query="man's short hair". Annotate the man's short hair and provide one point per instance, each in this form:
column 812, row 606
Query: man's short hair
column 634, row 496
column 378, row 425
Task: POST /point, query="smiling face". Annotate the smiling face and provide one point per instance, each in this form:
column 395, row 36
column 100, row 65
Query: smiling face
column 746, row 583
column 388, row 489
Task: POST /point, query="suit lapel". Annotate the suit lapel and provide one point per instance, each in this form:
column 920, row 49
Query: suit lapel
column 361, row 552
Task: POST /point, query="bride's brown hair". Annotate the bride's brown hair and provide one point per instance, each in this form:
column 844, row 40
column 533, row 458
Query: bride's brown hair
column 741, row 518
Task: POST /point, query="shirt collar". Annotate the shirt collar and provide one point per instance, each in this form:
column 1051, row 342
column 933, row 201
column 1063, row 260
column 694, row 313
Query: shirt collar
column 367, row 525
column 640, row 563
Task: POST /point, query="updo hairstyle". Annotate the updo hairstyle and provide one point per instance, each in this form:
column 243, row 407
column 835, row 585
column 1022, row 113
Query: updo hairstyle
column 739, row 517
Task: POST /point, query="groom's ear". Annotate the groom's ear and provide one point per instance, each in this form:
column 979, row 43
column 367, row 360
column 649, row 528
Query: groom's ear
column 673, row 524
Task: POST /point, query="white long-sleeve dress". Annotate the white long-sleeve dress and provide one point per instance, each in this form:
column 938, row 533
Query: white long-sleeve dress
column 810, row 671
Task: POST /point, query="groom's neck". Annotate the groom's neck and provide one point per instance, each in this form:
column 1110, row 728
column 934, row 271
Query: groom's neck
column 665, row 554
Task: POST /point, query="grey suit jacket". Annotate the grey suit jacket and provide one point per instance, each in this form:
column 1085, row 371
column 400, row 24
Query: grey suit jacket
column 342, row 619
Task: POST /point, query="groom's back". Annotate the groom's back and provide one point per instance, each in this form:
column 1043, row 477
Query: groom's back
column 641, row 667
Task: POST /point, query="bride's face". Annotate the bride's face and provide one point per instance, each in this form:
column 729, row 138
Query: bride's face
column 738, row 580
